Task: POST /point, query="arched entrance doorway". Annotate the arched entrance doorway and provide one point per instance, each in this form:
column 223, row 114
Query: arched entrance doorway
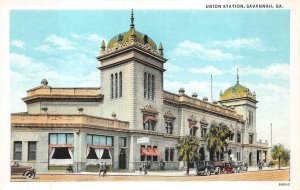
column 202, row 154
column 122, row 159
column 250, row 159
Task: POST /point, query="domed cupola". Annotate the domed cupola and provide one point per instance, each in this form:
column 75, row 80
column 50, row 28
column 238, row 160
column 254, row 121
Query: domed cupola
column 130, row 38
column 237, row 91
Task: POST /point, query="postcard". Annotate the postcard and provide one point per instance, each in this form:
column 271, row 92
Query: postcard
column 168, row 94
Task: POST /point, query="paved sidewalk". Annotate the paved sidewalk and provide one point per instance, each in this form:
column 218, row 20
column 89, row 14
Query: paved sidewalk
column 166, row 173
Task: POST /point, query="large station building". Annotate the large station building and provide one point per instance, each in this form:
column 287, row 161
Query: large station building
column 130, row 118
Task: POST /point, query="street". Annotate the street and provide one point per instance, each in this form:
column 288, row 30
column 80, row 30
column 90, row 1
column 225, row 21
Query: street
column 272, row 175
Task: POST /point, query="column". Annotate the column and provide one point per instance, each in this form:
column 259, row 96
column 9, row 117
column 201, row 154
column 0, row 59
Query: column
column 131, row 154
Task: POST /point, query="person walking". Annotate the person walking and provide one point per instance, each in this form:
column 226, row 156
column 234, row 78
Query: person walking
column 145, row 167
column 162, row 164
column 103, row 168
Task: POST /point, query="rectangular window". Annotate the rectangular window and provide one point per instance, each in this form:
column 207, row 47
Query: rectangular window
column 61, row 138
column 31, row 151
column 167, row 154
column 99, row 140
column 109, row 141
column 203, row 131
column 172, row 154
column 169, row 127
column 89, row 139
column 250, row 139
column 122, row 141
column 238, row 137
column 17, row 150
column 231, row 136
column 143, row 156
column 112, row 86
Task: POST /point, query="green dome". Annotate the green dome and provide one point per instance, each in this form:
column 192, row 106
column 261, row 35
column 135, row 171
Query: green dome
column 126, row 38
column 236, row 91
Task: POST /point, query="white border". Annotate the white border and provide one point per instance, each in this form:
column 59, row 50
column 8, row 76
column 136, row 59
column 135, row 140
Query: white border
column 6, row 6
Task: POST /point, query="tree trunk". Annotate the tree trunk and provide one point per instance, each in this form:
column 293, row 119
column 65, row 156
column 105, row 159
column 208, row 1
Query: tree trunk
column 279, row 164
column 187, row 168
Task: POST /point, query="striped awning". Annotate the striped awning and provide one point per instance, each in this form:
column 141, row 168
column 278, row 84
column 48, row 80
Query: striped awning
column 60, row 145
column 149, row 152
column 100, row 146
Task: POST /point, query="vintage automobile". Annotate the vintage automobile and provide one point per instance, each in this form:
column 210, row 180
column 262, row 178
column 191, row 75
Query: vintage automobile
column 270, row 164
column 228, row 168
column 239, row 166
column 207, row 168
column 26, row 171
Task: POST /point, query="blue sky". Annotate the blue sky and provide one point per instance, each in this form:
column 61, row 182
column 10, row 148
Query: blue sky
column 61, row 46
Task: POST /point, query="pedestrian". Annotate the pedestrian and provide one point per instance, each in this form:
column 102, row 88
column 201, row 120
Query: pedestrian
column 103, row 168
column 246, row 166
column 259, row 165
column 162, row 164
column 141, row 168
column 145, row 168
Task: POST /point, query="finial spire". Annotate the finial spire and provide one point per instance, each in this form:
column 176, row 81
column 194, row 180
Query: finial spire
column 237, row 76
column 132, row 19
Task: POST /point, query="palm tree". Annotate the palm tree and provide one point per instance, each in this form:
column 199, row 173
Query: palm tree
column 216, row 138
column 286, row 155
column 187, row 150
column 277, row 153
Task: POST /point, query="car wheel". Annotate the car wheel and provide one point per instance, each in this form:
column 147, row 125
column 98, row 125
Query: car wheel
column 29, row 175
column 208, row 173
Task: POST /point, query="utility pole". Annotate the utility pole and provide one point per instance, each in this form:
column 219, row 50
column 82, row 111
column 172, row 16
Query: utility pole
column 271, row 134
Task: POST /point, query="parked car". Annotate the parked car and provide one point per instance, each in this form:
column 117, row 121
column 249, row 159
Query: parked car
column 228, row 168
column 207, row 168
column 238, row 166
column 270, row 164
column 26, row 171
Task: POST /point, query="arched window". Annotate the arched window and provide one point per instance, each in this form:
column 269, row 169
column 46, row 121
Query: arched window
column 120, row 84
column 112, row 86
column 153, row 87
column 116, row 85
column 145, row 85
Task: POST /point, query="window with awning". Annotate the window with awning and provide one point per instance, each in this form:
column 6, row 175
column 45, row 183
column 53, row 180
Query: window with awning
column 99, row 149
column 149, row 122
column 60, row 148
column 151, row 153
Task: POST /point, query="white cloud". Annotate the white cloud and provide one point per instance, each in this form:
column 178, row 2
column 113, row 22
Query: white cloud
column 208, row 69
column 60, row 42
column 18, row 43
column 276, row 71
column 91, row 37
column 188, row 48
column 239, row 43
column 45, row 49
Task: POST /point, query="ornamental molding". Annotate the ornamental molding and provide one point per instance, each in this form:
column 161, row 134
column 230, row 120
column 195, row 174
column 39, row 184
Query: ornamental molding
column 149, row 109
column 192, row 119
column 169, row 116
column 203, row 121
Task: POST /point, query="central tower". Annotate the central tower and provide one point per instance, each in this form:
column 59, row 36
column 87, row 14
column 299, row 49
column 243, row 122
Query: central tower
column 132, row 78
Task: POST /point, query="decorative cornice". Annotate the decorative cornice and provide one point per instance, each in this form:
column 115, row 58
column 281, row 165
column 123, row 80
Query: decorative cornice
column 169, row 116
column 149, row 109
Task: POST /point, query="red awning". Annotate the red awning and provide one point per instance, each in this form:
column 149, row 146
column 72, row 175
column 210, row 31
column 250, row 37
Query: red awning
column 145, row 152
column 149, row 152
column 60, row 145
column 149, row 117
column 157, row 153
column 100, row 146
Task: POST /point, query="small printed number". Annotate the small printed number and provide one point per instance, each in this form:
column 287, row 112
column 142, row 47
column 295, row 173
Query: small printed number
column 284, row 184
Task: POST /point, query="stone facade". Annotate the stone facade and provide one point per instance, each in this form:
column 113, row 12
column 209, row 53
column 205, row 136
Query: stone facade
column 132, row 105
